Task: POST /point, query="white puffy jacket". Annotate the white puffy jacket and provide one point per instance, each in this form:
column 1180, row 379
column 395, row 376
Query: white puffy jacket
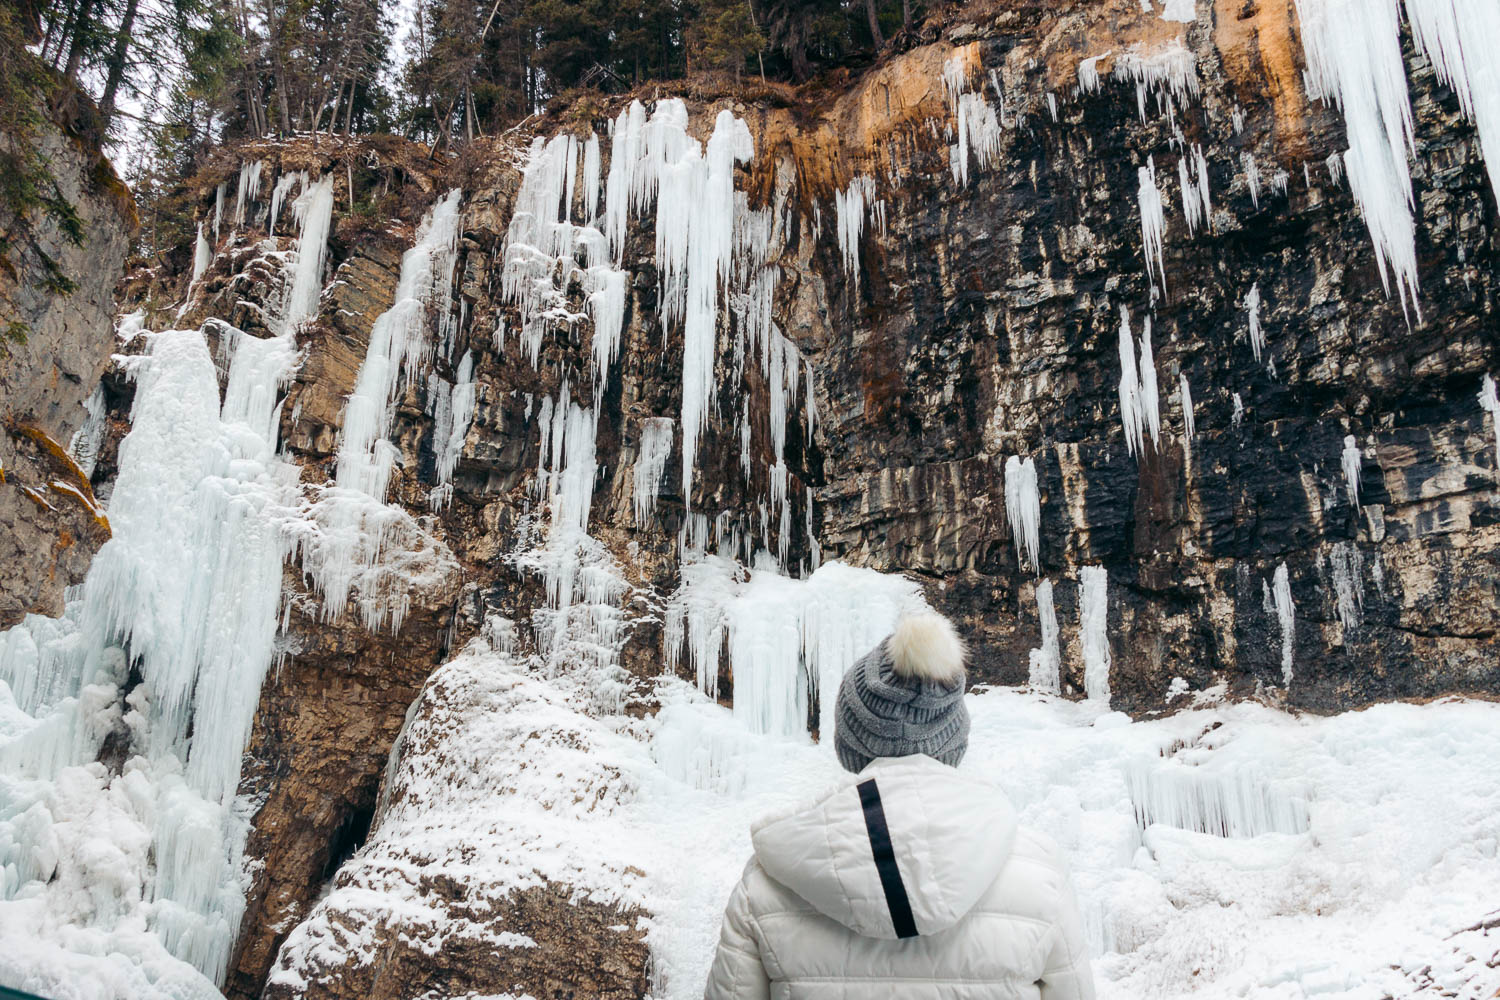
column 911, row 881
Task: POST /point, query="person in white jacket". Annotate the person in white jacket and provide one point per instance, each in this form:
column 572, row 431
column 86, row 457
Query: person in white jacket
column 909, row 880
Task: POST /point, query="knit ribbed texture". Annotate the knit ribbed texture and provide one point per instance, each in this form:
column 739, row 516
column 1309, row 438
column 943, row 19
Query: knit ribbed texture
column 880, row 714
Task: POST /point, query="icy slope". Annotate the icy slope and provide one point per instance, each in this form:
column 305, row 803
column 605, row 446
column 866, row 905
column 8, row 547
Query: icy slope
column 1228, row 851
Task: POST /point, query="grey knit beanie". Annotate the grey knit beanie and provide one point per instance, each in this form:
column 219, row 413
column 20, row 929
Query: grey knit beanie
column 905, row 696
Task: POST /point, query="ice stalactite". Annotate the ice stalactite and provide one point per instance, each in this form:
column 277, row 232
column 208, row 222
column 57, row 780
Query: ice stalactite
column 1093, row 631
column 850, row 208
column 814, row 548
column 1462, row 38
column 1153, row 224
column 350, row 542
column 314, row 213
column 1052, row 105
column 977, row 127
column 1252, row 316
column 1140, row 409
column 203, row 255
column 1023, row 508
column 84, row 445
column 1353, row 50
column 1237, row 416
column 1279, row 600
column 448, row 440
column 279, row 193
column 650, row 464
column 249, row 188
column 1348, row 567
column 1197, row 205
column 1229, row 804
column 1171, row 72
column 1252, row 177
column 1088, row 73
column 1045, row 672
column 1351, row 462
column 218, row 210
column 1489, row 401
column 1189, row 423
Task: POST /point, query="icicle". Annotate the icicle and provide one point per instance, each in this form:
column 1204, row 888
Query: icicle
column 1252, row 177
column 1252, row 313
column 1353, row 50
column 1023, row 507
column 1189, row 425
column 1153, row 223
column 650, row 463
column 1046, row 663
column 849, row 208
column 1348, row 586
column 1170, row 71
column 450, row 446
column 1490, row 401
column 1285, row 613
column 591, row 166
column 84, row 445
column 1238, row 416
column 314, row 212
column 218, row 210
column 1352, row 461
column 203, row 255
column 1462, row 38
column 284, row 185
column 1093, row 628
column 814, row 549
column 1139, row 402
column 249, row 188
column 1052, row 105
column 1088, row 73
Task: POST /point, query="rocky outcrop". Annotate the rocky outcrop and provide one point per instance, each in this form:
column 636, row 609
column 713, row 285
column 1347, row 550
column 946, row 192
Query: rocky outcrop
column 57, row 287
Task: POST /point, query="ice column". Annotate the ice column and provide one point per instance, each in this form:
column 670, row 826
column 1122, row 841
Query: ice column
column 1153, row 224
column 1046, row 662
column 1093, row 631
column 1252, row 314
column 1281, row 595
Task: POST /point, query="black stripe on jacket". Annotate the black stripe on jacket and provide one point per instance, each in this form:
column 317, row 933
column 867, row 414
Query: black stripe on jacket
column 885, row 861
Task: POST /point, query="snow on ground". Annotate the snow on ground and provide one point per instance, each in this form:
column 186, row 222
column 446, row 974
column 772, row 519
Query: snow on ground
column 1360, row 848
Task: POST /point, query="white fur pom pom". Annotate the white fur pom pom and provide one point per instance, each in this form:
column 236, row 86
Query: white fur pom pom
column 926, row 647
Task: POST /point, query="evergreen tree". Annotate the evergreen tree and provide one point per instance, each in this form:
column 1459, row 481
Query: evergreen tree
column 724, row 35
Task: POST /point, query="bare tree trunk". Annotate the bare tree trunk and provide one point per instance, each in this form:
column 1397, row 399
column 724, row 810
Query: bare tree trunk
column 875, row 34
column 117, row 61
column 80, row 32
column 906, row 15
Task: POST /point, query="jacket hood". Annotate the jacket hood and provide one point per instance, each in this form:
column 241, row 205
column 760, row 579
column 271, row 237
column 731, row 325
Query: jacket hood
column 948, row 835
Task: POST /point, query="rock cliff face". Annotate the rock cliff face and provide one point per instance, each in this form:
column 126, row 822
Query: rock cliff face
column 54, row 350
column 1307, row 510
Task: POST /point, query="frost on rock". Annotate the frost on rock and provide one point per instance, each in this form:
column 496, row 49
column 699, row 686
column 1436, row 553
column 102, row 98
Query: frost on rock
column 1252, row 316
column 650, row 463
column 1353, row 50
column 1179, row 10
column 1023, row 506
column 1093, row 631
column 1140, row 409
column 1153, row 225
column 1045, row 672
column 1352, row 461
